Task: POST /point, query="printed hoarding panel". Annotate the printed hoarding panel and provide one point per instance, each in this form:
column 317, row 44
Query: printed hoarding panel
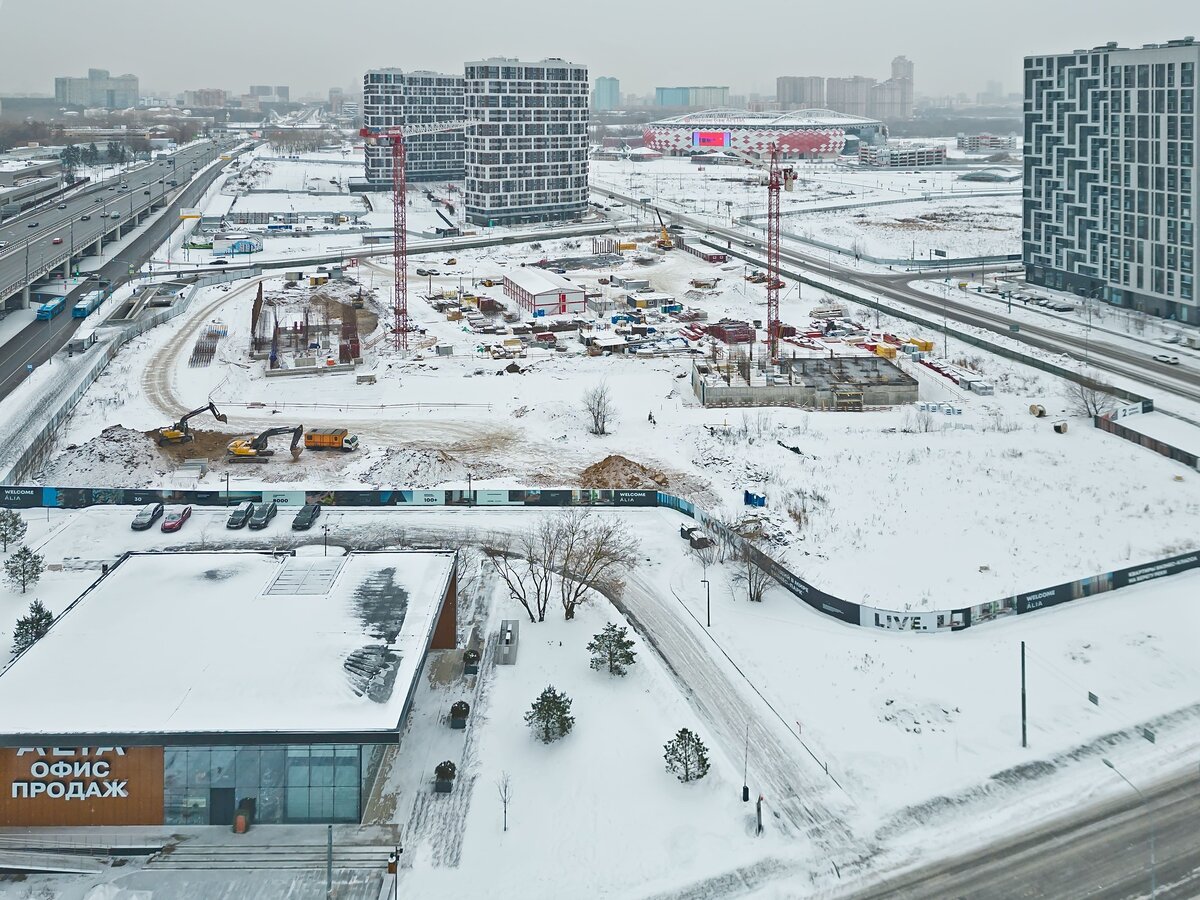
column 23, row 497
column 933, row 620
column 81, row 786
column 1148, row 572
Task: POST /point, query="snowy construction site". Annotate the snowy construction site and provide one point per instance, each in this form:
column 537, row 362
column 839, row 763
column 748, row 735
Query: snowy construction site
column 907, row 547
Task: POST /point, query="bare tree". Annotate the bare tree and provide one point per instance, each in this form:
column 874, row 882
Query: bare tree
column 598, row 403
column 706, row 555
column 1085, row 400
column 504, row 788
column 594, row 551
column 756, row 577
column 527, row 563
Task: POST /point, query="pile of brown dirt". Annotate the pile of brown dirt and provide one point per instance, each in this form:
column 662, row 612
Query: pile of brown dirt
column 208, row 445
column 617, row 472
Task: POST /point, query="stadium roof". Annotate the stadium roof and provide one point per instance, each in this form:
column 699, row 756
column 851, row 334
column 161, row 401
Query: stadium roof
column 741, row 118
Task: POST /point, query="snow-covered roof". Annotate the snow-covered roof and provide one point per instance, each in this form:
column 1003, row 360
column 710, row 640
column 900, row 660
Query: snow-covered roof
column 540, row 281
column 233, row 642
column 741, row 118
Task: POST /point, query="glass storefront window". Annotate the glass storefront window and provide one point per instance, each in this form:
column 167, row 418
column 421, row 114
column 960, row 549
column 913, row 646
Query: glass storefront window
column 296, row 783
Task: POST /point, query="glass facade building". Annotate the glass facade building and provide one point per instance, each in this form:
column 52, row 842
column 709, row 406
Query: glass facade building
column 288, row 783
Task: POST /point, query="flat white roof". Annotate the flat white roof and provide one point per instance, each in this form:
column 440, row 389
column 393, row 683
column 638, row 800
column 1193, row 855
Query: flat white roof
column 233, row 642
column 541, row 281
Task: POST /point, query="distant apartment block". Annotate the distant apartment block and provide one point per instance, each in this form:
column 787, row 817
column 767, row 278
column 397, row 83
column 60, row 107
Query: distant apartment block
column 205, row 98
column 528, row 161
column 707, row 97
column 393, row 97
column 900, row 157
column 606, row 94
column 986, row 143
column 1110, row 190
column 800, row 92
column 98, row 89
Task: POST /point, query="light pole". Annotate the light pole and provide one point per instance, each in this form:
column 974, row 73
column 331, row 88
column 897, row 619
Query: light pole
column 325, row 527
column 707, row 602
column 1146, row 803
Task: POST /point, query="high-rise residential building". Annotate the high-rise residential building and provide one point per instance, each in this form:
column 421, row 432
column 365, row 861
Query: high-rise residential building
column 606, row 94
column 98, row 89
column 283, row 93
column 902, row 68
column 260, row 90
column 706, row 97
column 851, row 96
column 336, row 98
column 800, row 92
column 903, row 79
column 528, row 160
column 1110, row 193
column 394, row 97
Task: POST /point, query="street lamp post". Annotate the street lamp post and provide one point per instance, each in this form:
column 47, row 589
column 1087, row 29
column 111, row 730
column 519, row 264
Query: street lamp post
column 1153, row 828
column 707, row 602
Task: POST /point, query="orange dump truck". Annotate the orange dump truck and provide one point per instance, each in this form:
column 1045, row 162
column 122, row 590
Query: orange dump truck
column 330, row 439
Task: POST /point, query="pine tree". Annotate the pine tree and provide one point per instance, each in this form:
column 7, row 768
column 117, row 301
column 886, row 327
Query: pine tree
column 550, row 716
column 611, row 649
column 31, row 627
column 12, row 527
column 686, row 756
column 24, row 567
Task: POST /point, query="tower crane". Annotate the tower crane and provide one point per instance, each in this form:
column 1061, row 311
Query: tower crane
column 395, row 136
column 778, row 176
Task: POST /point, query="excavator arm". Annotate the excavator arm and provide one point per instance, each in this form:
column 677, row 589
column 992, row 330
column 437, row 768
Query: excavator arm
column 219, row 416
column 259, row 444
column 180, row 432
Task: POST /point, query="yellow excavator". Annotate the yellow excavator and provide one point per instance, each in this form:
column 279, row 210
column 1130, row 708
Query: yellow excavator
column 180, row 433
column 256, row 449
column 664, row 241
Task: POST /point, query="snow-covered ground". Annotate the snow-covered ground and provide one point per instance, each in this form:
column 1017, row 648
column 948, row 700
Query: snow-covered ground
column 921, row 734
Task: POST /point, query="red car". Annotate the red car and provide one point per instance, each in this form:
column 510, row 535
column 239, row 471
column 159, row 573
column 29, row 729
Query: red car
column 56, row 241
column 174, row 520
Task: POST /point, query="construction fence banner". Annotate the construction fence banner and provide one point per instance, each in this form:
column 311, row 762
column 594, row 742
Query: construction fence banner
column 1108, row 423
column 737, row 547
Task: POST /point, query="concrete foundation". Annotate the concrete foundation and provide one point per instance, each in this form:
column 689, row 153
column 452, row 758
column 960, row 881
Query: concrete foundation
column 842, row 383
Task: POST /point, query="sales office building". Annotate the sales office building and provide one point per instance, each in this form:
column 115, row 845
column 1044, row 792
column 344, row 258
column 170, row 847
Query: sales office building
column 181, row 687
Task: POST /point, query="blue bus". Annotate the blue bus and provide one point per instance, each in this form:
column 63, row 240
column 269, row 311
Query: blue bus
column 52, row 308
column 90, row 303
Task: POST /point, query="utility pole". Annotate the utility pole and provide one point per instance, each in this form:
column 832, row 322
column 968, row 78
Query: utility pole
column 707, row 602
column 329, row 864
column 1024, row 730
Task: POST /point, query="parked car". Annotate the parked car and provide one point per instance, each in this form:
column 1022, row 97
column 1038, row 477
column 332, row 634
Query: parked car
column 147, row 516
column 422, row 273
column 1166, row 358
column 263, row 514
column 306, row 517
column 433, row 272
column 174, row 520
column 240, row 515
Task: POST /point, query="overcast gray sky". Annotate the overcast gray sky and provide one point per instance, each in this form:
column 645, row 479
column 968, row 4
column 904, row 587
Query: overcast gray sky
column 312, row 45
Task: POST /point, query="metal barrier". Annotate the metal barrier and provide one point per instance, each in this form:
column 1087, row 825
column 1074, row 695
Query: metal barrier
column 927, row 621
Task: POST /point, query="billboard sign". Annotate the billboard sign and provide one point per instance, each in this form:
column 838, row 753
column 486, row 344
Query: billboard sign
column 81, row 786
column 710, row 139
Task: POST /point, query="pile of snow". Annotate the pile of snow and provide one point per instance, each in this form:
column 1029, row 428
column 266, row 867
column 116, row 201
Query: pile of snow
column 116, row 456
column 414, row 468
column 617, row 472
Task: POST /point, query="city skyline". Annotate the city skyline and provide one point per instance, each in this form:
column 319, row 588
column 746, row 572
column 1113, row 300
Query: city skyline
column 951, row 59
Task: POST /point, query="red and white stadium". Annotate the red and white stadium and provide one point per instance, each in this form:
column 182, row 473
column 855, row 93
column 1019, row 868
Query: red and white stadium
column 800, row 134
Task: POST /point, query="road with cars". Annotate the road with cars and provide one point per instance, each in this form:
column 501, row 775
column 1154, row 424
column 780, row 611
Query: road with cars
column 41, row 339
column 41, row 239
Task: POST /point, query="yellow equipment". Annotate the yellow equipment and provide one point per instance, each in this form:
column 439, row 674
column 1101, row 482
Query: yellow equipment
column 256, row 450
column 664, row 241
column 179, row 433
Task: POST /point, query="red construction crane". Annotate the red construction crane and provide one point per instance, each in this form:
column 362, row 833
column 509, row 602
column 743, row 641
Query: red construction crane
column 777, row 177
column 395, row 136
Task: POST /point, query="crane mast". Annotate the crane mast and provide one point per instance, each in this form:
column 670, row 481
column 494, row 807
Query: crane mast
column 395, row 137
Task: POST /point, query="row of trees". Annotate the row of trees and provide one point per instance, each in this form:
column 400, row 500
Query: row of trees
column 22, row 568
column 567, row 555
column 74, row 156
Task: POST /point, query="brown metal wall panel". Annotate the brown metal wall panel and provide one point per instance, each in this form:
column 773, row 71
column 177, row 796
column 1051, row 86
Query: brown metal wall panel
column 81, row 786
